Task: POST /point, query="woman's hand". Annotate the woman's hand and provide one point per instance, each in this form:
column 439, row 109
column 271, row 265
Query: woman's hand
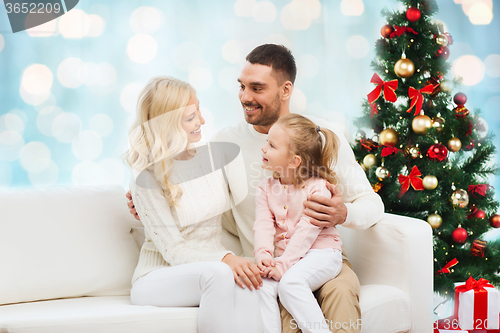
column 131, row 205
column 326, row 212
column 244, row 269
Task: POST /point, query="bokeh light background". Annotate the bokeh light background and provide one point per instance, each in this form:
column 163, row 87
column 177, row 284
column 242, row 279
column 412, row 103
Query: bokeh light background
column 68, row 88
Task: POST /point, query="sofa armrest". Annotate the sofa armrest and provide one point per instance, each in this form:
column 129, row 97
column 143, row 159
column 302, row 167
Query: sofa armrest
column 396, row 251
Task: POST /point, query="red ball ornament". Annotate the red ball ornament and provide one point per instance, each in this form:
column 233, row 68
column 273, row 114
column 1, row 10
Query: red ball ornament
column 387, row 30
column 477, row 214
column 469, row 146
column 437, row 152
column 443, row 52
column 459, row 235
column 495, row 220
column 413, row 14
column 460, row 98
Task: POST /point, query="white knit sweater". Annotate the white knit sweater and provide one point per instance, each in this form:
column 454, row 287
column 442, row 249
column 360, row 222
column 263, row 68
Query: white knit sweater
column 190, row 232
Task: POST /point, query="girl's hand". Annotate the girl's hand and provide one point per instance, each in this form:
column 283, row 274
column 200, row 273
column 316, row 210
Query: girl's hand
column 272, row 273
column 263, row 263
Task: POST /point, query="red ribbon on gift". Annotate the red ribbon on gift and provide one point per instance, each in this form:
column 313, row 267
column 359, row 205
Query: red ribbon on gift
column 412, row 179
column 480, row 299
column 401, row 30
column 417, row 99
column 446, row 268
column 479, row 189
column 387, row 87
column 389, row 150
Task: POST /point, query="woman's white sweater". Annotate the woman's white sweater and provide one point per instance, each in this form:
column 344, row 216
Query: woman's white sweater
column 192, row 230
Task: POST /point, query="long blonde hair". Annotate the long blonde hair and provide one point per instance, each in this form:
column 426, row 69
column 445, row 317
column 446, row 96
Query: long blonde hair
column 318, row 158
column 157, row 134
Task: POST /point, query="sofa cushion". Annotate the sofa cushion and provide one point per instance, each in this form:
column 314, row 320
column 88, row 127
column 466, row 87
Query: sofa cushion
column 65, row 242
column 384, row 309
column 109, row 314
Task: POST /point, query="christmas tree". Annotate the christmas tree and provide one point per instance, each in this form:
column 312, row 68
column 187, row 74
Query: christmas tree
column 428, row 157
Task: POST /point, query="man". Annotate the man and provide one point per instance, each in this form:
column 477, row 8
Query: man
column 266, row 85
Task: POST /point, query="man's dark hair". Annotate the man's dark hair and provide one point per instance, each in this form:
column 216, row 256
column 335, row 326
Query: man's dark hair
column 278, row 57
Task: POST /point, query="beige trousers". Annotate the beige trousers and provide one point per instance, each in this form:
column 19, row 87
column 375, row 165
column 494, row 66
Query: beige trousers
column 339, row 301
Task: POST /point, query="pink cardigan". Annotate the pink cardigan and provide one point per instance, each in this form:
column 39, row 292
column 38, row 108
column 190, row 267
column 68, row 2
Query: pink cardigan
column 279, row 217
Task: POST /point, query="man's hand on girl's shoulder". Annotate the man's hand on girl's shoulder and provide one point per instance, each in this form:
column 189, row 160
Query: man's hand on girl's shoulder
column 325, row 212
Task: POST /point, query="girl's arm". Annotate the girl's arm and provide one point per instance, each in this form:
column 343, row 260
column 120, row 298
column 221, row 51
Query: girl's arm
column 157, row 218
column 263, row 228
column 304, row 236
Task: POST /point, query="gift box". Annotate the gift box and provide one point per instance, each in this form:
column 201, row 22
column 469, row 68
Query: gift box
column 477, row 305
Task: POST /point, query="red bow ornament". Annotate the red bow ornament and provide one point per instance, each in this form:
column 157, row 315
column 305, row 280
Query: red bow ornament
column 401, row 30
column 479, row 189
column 446, row 268
column 416, row 97
column 388, row 88
column 412, row 179
column 389, row 150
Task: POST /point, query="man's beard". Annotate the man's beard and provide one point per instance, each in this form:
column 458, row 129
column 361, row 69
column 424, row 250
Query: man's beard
column 267, row 117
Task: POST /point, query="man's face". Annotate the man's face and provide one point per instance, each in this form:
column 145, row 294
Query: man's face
column 259, row 94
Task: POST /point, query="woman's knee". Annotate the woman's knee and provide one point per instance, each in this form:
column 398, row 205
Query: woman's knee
column 218, row 273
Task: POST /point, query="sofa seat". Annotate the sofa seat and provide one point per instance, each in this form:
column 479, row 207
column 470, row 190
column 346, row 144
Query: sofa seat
column 103, row 314
column 110, row 314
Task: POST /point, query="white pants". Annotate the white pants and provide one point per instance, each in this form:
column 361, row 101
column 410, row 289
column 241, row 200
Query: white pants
column 295, row 290
column 224, row 307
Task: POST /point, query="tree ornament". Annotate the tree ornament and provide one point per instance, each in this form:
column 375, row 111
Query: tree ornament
column 417, row 99
column 442, row 40
column 460, row 98
column 387, row 30
column 437, row 152
column 461, row 111
column 443, row 52
column 471, row 145
column 413, row 14
column 421, row 123
column 481, row 127
column 476, row 214
column 494, row 220
column 459, row 198
column 447, row 86
column 435, row 220
column 478, row 247
column 388, row 88
column 388, row 137
column 412, row 151
column 454, row 144
column 368, row 144
column 430, row 182
column 369, row 161
column 438, row 123
column 404, row 67
column 382, row 173
column 459, row 235
column 412, row 179
column 360, row 135
column 376, row 187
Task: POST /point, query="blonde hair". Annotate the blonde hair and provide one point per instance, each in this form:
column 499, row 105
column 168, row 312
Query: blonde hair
column 157, row 134
column 318, row 158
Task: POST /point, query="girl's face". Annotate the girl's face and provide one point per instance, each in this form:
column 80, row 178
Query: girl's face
column 276, row 156
column 192, row 120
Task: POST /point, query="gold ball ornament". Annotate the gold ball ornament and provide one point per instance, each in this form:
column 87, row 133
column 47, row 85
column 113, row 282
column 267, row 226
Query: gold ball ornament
column 430, row 182
column 388, row 137
column 438, row 123
column 442, row 40
column 382, row 173
column 369, row 161
column 447, row 86
column 454, row 144
column 460, row 198
column 421, row 123
column 404, row 68
column 435, row 220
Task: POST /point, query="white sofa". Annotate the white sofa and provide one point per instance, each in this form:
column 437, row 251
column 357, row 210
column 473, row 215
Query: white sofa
column 67, row 255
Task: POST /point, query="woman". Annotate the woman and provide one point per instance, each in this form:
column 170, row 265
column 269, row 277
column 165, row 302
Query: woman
column 180, row 199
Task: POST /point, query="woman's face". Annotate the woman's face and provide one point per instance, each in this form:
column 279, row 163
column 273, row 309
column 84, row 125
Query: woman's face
column 192, row 120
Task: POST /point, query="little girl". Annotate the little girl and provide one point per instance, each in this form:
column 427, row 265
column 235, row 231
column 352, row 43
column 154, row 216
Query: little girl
column 301, row 156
